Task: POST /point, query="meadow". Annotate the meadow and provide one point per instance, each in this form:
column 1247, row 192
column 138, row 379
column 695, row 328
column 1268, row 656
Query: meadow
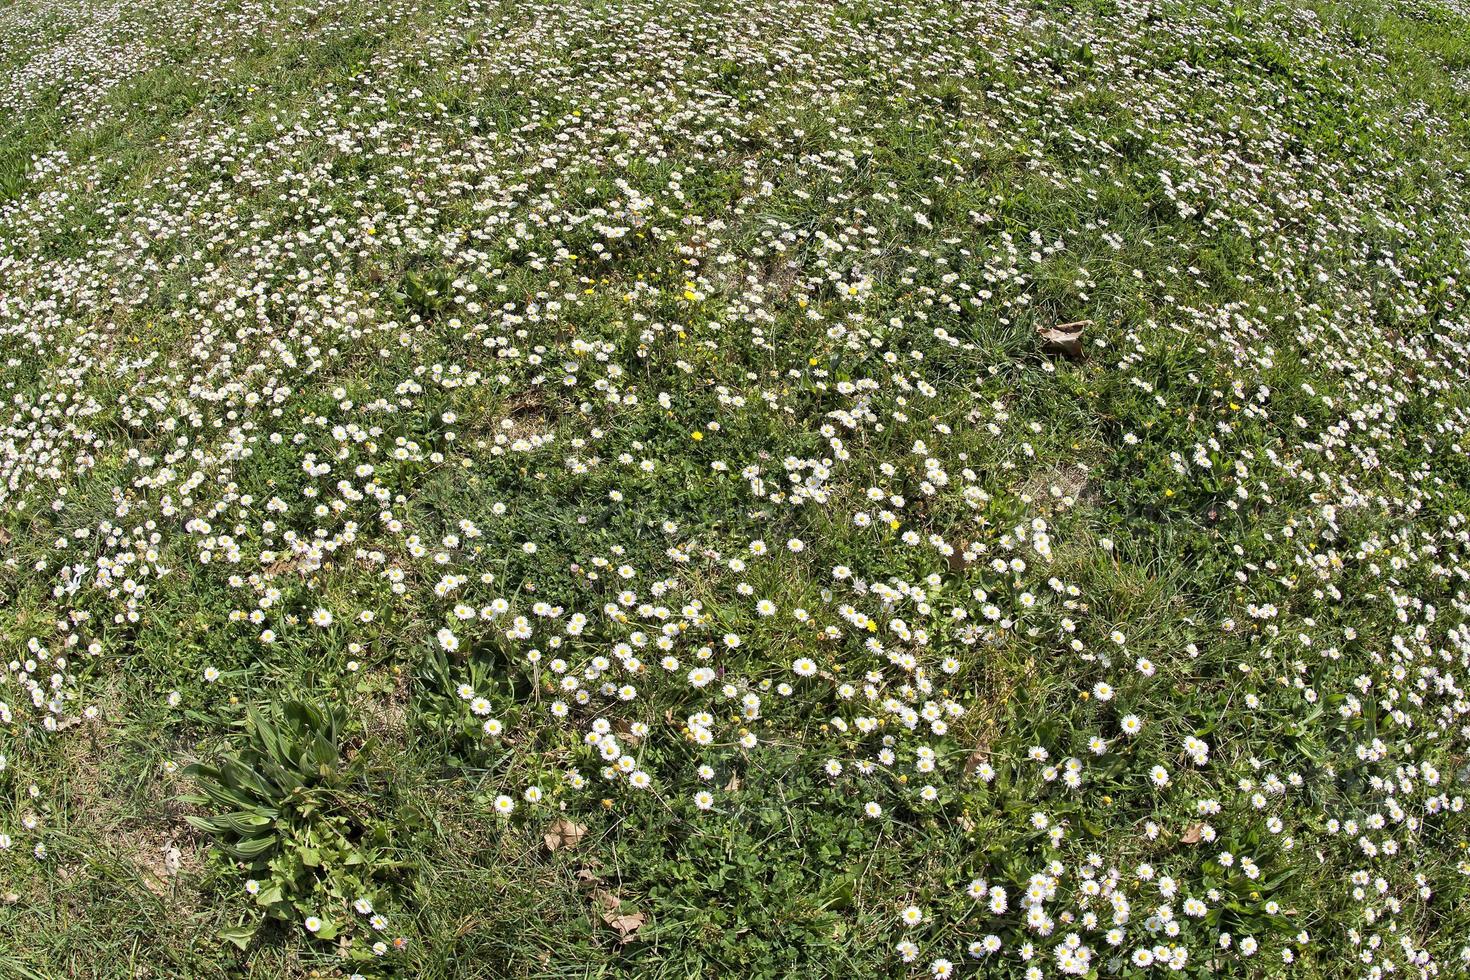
column 779, row 489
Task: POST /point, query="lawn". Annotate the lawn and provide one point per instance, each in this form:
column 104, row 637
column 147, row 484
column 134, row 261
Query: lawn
column 695, row 489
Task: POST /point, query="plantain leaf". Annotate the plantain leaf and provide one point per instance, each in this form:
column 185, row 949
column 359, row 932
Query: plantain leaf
column 238, row 935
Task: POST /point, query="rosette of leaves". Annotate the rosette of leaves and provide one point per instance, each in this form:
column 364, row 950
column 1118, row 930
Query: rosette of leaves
column 284, row 803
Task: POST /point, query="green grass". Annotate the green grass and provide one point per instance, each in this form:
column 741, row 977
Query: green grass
column 433, row 316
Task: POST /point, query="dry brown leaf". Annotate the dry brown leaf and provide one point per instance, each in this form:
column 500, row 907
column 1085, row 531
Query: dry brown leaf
column 624, row 730
column 978, row 756
column 626, row 924
column 564, row 833
column 1064, row 338
column 1191, row 834
column 733, row 784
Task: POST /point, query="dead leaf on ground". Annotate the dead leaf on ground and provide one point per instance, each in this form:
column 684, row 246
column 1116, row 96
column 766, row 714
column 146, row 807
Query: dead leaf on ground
column 564, row 833
column 1192, row 834
column 1064, row 338
column 975, row 758
column 173, row 859
column 733, row 784
column 626, row 925
column 623, row 728
column 157, row 864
